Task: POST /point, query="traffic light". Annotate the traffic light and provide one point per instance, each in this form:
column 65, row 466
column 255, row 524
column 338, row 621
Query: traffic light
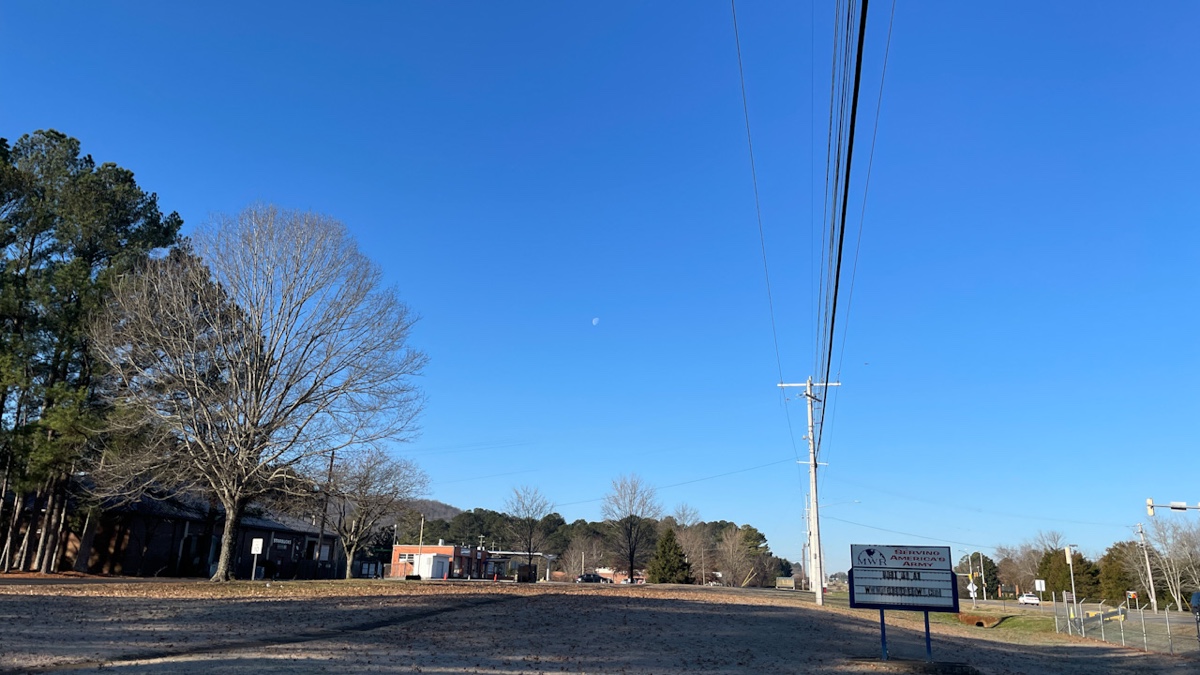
column 1150, row 507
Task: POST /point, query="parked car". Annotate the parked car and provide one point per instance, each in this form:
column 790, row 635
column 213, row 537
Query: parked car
column 589, row 579
column 1028, row 599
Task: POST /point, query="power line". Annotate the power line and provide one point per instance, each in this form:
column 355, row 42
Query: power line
column 689, row 482
column 841, row 226
column 729, row 473
column 910, row 534
column 957, row 506
column 494, row 475
column 762, row 239
column 866, row 188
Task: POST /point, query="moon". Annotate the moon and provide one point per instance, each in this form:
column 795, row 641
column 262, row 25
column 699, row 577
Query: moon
column 595, row 321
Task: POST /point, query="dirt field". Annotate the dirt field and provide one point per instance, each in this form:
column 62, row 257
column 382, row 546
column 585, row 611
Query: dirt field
column 393, row 627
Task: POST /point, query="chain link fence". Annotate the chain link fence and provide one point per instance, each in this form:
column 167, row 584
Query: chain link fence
column 1169, row 630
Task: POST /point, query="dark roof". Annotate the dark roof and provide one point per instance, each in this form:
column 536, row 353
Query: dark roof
column 185, row 507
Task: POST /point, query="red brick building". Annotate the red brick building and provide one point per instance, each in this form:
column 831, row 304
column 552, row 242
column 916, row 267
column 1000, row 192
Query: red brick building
column 440, row 561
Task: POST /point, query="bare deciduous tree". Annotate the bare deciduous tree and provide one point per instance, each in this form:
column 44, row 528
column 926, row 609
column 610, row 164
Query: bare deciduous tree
column 692, row 536
column 270, row 348
column 686, row 516
column 1052, row 540
column 735, row 559
column 1175, row 556
column 584, row 554
column 1019, row 563
column 528, row 506
column 367, row 488
column 630, row 510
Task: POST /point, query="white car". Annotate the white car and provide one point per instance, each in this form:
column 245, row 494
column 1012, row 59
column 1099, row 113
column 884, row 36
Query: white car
column 1028, row 599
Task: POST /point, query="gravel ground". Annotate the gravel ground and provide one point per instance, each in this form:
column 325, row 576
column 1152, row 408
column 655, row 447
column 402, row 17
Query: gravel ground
column 393, row 627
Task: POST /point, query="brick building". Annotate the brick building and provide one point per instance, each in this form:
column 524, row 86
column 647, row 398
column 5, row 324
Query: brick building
column 440, row 561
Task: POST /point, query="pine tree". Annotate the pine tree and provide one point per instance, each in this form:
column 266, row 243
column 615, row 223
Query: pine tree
column 669, row 565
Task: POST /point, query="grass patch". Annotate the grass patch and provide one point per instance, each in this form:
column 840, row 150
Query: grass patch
column 1026, row 624
column 1014, row 625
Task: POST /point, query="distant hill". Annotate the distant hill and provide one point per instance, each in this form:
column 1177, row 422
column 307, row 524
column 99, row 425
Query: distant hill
column 434, row 510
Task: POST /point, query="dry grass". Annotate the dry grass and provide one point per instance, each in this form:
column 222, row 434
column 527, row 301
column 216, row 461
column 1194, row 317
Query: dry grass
column 394, row 627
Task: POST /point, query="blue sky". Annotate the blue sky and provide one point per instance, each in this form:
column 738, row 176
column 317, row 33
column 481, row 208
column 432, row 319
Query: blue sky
column 1021, row 351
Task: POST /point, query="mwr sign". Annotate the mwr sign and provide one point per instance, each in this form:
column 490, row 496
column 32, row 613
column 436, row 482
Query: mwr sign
column 914, row 578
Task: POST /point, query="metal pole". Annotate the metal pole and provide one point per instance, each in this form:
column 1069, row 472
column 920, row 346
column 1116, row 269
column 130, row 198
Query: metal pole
column 1145, row 643
column 1102, row 620
column 1170, row 645
column 1071, row 566
column 1149, row 570
column 929, row 643
column 1054, row 605
column 1121, row 613
column 883, row 635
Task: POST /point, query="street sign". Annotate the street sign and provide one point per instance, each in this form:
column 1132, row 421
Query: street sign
column 1068, row 596
column 910, row 578
column 1039, row 585
column 256, row 546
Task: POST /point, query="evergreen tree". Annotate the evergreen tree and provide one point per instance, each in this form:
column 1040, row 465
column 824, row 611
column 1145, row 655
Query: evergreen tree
column 669, row 565
column 1115, row 578
column 1057, row 573
column 68, row 229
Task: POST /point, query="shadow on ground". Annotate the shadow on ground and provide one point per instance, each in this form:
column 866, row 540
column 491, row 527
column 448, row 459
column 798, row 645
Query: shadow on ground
column 606, row 631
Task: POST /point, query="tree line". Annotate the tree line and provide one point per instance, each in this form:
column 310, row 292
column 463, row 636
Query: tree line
column 259, row 360
column 1166, row 568
column 635, row 536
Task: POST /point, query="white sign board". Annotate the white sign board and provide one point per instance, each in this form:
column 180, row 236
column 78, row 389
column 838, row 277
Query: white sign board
column 256, row 546
column 913, row 578
column 1039, row 585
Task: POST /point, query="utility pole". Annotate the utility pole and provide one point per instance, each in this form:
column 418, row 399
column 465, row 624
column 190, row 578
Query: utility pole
column 421, row 546
column 804, row 554
column 816, row 566
column 1149, row 570
column 971, row 578
column 982, row 576
column 324, row 514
